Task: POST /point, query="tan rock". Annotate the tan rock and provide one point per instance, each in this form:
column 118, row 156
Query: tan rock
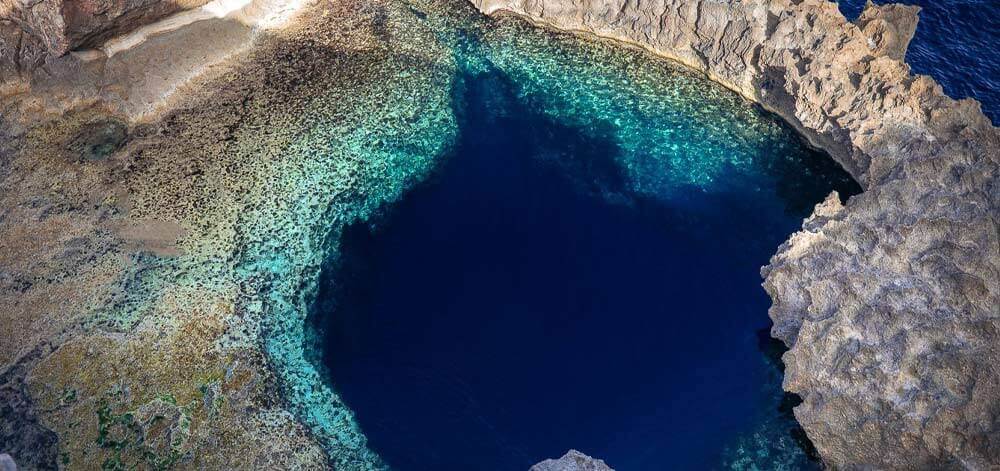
column 64, row 25
column 890, row 27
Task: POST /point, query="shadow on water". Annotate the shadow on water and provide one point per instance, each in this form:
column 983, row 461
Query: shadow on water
column 525, row 300
column 805, row 178
column 773, row 349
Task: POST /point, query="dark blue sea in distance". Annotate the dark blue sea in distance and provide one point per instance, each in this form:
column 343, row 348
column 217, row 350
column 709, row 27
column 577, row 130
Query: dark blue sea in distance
column 958, row 43
column 532, row 297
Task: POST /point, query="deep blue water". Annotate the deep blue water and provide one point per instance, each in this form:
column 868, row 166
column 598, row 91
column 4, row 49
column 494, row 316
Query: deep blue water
column 529, row 299
column 957, row 44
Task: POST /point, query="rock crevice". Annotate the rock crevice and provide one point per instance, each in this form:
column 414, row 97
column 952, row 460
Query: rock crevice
column 890, row 304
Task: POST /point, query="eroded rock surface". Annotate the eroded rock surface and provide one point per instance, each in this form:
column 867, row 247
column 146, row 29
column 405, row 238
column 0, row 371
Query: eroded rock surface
column 144, row 271
column 890, row 27
column 572, row 461
column 890, row 304
column 64, row 25
column 138, row 72
column 153, row 274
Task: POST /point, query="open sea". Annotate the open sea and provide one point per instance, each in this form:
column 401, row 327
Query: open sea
column 958, row 43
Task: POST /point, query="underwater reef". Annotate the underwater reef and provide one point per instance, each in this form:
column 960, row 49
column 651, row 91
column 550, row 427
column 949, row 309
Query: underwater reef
column 167, row 200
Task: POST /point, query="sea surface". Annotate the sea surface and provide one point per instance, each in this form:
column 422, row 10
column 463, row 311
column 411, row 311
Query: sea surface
column 958, row 43
column 581, row 271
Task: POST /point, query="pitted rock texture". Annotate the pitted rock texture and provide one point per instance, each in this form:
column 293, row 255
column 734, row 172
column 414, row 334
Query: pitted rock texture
column 890, row 27
column 153, row 274
column 19, row 51
column 64, row 25
column 572, row 461
column 890, row 304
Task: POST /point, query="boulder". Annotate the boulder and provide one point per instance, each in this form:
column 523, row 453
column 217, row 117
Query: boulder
column 572, row 461
column 64, row 25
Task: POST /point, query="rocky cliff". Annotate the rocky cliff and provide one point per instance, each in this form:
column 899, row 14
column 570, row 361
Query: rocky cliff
column 890, row 304
column 49, row 66
column 34, row 31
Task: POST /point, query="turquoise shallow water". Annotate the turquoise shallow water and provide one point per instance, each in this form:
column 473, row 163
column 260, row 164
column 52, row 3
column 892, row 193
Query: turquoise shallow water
column 580, row 270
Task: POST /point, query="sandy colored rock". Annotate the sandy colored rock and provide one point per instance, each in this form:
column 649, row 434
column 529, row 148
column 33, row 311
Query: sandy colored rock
column 64, row 25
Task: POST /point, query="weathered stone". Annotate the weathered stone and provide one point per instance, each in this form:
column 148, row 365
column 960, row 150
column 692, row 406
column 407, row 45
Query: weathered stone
column 19, row 52
column 7, row 463
column 890, row 304
column 572, row 461
column 64, row 25
column 890, row 27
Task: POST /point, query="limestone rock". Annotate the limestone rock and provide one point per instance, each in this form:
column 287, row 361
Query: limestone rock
column 890, row 304
column 19, row 51
column 890, row 27
column 572, row 461
column 64, row 25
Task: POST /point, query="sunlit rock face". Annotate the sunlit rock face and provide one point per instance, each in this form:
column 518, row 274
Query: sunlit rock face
column 135, row 68
column 888, row 303
column 64, row 25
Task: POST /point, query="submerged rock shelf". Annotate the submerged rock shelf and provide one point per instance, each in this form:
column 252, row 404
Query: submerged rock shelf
column 156, row 268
